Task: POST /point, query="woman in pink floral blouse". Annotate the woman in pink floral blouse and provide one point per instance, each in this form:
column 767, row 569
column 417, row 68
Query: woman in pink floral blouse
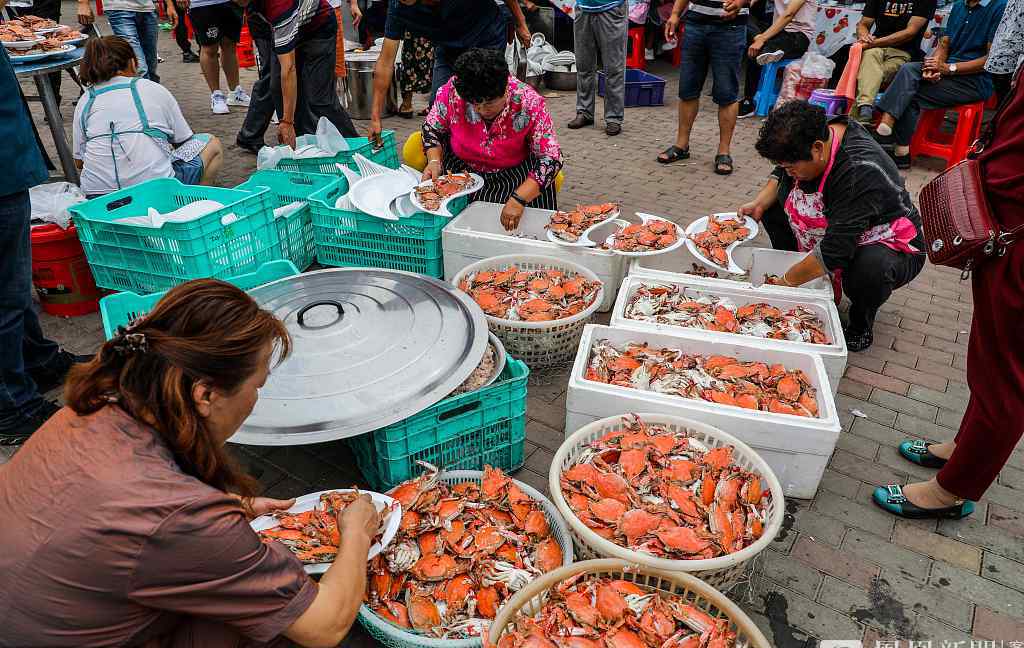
column 487, row 121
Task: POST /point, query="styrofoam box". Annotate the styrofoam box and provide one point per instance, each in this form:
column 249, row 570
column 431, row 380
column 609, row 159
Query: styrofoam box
column 477, row 233
column 797, row 448
column 756, row 261
column 833, row 355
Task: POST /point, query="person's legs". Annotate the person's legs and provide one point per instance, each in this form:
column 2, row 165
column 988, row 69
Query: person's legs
column 317, row 84
column 791, row 44
column 585, row 43
column 870, row 75
column 893, row 59
column 443, row 61
column 181, row 35
column 261, row 106
column 229, row 61
column 148, row 29
column 611, row 28
column 693, row 70
column 18, row 393
column 727, row 45
column 944, row 93
column 871, row 277
column 208, row 35
column 898, row 98
column 213, row 158
column 123, row 24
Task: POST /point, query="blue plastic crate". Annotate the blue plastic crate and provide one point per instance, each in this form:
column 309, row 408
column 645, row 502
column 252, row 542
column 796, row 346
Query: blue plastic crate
column 123, row 308
column 352, row 238
column 296, row 230
column 642, row 88
column 464, row 432
column 233, row 240
column 388, row 156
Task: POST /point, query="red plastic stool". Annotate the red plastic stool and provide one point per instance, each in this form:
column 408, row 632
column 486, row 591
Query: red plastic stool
column 930, row 139
column 635, row 48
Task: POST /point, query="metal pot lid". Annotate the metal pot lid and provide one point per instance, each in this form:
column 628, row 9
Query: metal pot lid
column 369, row 347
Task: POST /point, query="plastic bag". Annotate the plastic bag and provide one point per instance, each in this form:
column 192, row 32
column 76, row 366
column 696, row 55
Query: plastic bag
column 329, row 139
column 327, row 142
column 50, row 202
column 803, row 77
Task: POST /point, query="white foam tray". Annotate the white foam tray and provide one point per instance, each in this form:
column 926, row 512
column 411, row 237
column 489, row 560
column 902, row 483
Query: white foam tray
column 477, row 234
column 833, row 355
column 757, row 262
column 797, row 448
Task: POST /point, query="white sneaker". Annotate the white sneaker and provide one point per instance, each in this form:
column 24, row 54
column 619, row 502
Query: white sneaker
column 649, row 54
column 238, row 97
column 219, row 103
column 770, row 57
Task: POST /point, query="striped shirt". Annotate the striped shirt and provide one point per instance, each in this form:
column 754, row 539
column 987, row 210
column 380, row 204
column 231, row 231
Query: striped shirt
column 712, row 11
column 292, row 19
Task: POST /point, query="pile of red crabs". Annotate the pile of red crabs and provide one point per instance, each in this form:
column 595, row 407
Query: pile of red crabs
column 669, row 304
column 719, row 235
column 461, row 551
column 720, row 379
column 433, row 194
column 655, row 234
column 570, row 226
column 591, row 611
column 530, row 295
column 660, row 491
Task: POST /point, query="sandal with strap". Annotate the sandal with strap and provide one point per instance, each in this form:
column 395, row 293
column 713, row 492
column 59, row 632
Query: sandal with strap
column 917, row 451
column 674, row 154
column 723, row 160
column 892, row 499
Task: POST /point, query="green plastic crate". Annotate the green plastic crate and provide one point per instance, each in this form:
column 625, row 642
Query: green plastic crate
column 387, row 156
column 296, row 230
column 465, row 432
column 121, row 309
column 146, row 259
column 352, row 238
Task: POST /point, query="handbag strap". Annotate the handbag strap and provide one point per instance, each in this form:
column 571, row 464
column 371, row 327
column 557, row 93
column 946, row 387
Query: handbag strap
column 985, row 138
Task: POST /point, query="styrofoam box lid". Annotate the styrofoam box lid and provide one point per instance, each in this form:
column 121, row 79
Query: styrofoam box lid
column 826, row 425
column 825, row 309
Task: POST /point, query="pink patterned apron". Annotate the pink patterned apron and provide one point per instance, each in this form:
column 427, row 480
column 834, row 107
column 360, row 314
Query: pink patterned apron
column 806, row 212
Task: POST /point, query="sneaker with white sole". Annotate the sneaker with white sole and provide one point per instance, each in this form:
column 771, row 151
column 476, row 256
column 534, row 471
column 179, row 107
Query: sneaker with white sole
column 648, row 54
column 770, row 57
column 219, row 103
column 238, row 97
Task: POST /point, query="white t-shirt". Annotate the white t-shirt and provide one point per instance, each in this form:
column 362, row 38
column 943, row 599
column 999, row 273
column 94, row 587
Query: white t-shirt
column 144, row 6
column 142, row 158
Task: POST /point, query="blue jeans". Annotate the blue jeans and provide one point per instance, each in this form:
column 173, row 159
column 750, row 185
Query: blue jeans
column 22, row 344
column 139, row 28
column 718, row 46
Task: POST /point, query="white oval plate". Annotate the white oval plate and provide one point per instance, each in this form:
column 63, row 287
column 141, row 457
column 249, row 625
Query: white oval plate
column 584, row 240
column 646, row 218
column 701, row 224
column 374, row 194
column 21, row 45
column 310, row 500
column 476, row 185
column 76, row 40
column 29, row 58
column 48, row 30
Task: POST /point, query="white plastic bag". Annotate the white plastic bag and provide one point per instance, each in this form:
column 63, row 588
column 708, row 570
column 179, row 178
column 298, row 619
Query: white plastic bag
column 803, row 77
column 329, row 139
column 50, row 202
column 815, row 66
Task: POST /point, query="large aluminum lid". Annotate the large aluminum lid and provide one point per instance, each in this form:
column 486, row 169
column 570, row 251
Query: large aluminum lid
column 370, row 347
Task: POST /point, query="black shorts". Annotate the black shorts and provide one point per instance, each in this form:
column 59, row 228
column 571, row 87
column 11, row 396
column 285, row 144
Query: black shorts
column 214, row 22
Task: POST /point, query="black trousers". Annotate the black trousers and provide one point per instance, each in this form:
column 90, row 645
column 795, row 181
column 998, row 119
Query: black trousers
column 792, row 44
column 264, row 91
column 317, row 95
column 872, row 275
column 181, row 33
column 46, row 9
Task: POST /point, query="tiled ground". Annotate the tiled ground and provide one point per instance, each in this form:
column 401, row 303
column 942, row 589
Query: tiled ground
column 840, row 568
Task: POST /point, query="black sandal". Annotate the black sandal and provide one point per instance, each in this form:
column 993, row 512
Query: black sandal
column 674, row 154
column 723, row 159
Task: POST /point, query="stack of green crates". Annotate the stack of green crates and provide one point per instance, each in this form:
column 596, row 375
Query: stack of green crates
column 233, row 240
column 296, row 229
column 352, row 238
column 464, row 432
column 387, row 155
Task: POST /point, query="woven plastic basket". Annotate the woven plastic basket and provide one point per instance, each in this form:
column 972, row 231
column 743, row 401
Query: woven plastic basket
column 538, row 344
column 392, row 636
column 722, row 572
column 531, row 598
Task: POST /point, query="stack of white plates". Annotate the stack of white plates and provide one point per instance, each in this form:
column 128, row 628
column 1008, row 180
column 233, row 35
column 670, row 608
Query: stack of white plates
column 560, row 62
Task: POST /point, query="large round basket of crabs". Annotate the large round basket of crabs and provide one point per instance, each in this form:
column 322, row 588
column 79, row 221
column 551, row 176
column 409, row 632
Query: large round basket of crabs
column 468, row 540
column 536, row 305
column 667, row 493
column 607, row 602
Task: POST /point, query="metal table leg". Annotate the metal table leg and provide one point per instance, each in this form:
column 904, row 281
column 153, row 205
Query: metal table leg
column 60, row 138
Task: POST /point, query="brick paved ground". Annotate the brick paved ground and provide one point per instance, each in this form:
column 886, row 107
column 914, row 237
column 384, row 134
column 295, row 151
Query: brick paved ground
column 840, row 568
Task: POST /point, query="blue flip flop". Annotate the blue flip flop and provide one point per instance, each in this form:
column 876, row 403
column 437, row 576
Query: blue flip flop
column 917, row 451
column 892, row 499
